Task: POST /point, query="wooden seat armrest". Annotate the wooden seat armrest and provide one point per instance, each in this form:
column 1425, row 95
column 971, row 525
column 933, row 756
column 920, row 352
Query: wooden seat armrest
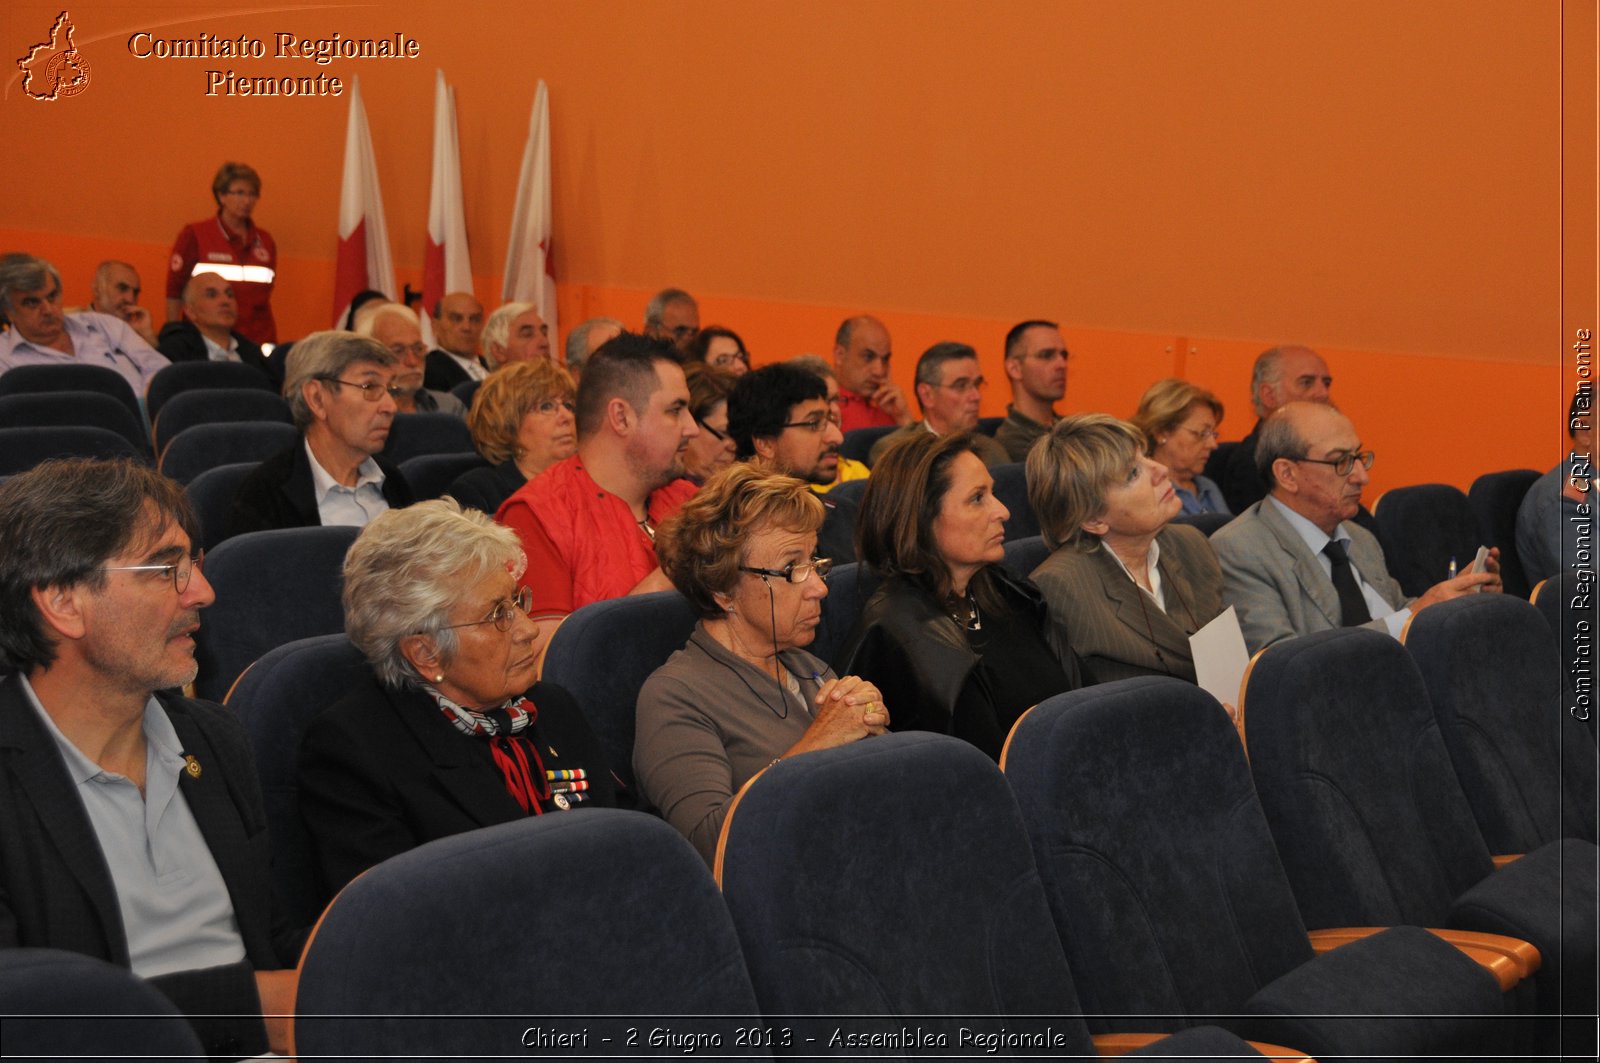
column 1504, row 858
column 1509, row 959
column 1120, row 1044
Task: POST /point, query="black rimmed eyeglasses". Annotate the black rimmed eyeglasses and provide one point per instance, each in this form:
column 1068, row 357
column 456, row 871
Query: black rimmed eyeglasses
column 179, row 571
column 505, row 610
column 1343, row 465
column 794, row 571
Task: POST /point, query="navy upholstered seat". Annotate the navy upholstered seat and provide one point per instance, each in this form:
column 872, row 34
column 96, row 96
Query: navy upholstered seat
column 849, row 587
column 66, row 1005
column 276, row 698
column 205, row 446
column 459, row 947
column 74, row 408
column 186, row 376
column 858, row 442
column 1025, row 555
column 893, row 877
column 1494, row 679
column 466, row 391
column 217, row 406
column 1422, row 528
column 1208, row 523
column 1011, row 488
column 430, row 475
column 23, row 448
column 603, row 653
column 1171, row 902
column 1495, row 498
column 273, row 587
column 427, row 433
column 1563, row 612
column 211, row 493
column 28, row 379
column 1371, row 822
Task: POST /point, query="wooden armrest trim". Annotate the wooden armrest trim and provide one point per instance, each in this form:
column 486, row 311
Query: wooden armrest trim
column 1505, row 858
column 1509, row 959
column 1118, row 1044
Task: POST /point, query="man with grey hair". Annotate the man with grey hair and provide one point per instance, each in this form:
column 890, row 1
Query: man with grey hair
column 1296, row 562
column 515, row 332
column 457, row 324
column 398, row 328
column 949, row 388
column 207, row 332
column 1283, row 374
column 115, row 291
column 342, row 393
column 41, row 334
column 674, row 317
column 589, row 336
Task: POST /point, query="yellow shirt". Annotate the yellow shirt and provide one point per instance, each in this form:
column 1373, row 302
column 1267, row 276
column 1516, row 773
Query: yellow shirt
column 849, row 469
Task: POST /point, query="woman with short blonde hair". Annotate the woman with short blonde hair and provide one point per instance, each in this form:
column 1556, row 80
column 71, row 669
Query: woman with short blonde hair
column 1179, row 421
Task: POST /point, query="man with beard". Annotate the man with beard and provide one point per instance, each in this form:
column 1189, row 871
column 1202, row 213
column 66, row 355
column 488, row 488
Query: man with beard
column 1296, row 562
column 132, row 827
column 588, row 523
column 780, row 420
column 398, row 328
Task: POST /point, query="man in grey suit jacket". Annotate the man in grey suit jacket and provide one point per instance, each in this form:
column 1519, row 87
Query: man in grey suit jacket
column 1281, row 557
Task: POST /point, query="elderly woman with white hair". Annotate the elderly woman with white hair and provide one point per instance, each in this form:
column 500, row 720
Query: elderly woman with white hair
column 450, row 731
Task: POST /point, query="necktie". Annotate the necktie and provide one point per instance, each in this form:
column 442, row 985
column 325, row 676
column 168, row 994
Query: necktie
column 1352, row 606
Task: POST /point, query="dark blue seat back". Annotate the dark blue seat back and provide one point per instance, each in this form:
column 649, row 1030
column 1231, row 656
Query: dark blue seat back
column 184, row 376
column 1011, row 488
column 1495, row 498
column 427, row 433
column 603, row 653
column 466, row 391
column 990, row 425
column 273, row 587
column 1422, row 527
column 91, row 408
column 1557, row 609
column 275, row 699
column 205, row 446
column 217, row 406
column 23, row 448
column 849, row 587
column 27, row 379
column 858, row 442
column 67, row 1005
column 606, row 913
column 1025, row 555
column 430, row 475
column 1208, row 523
column 1494, row 679
column 211, row 493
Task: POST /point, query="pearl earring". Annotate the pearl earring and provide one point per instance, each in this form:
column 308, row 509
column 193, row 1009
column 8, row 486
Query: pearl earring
column 439, row 678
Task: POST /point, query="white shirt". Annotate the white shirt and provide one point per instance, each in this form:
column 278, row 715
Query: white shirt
column 474, row 368
column 97, row 339
column 338, row 504
column 1315, row 539
column 218, row 353
column 1154, row 572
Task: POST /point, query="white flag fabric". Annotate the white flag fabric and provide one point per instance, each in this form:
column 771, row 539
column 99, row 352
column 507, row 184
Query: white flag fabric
column 364, row 260
column 448, row 265
column 530, row 272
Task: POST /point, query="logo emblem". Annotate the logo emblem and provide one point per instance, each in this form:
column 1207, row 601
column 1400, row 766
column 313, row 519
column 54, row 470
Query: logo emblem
column 55, row 69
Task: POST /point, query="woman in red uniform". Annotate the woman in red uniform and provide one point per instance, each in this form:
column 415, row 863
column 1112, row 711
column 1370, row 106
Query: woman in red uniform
column 233, row 246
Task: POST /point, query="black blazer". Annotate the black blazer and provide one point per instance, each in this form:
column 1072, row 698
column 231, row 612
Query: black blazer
column 442, row 372
column 383, row 771
column 56, row 889
column 181, row 341
column 280, row 494
column 486, row 488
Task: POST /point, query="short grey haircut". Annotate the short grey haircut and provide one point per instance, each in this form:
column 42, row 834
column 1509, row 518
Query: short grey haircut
column 930, row 367
column 1279, row 439
column 656, row 308
column 578, row 340
column 497, row 329
column 404, row 572
column 813, row 363
column 22, row 272
column 370, row 314
column 325, row 356
column 1266, row 371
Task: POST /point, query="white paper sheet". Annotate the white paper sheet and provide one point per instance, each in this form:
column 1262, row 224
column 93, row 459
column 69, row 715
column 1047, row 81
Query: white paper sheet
column 1220, row 657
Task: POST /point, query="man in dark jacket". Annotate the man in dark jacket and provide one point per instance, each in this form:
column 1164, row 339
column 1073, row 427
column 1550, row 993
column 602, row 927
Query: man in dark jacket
column 206, row 332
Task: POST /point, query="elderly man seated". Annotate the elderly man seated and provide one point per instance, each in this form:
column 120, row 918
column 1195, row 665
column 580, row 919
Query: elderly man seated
column 207, row 332
column 398, row 328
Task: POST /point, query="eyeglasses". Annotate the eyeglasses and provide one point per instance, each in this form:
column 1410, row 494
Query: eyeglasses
column 549, row 406
column 1342, row 466
column 964, row 384
column 794, row 571
column 724, row 361
column 505, row 610
column 372, row 391
column 1200, row 433
column 400, row 350
column 180, row 570
column 720, row 437
column 819, row 423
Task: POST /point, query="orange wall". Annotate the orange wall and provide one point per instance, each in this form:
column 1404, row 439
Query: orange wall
column 1380, row 181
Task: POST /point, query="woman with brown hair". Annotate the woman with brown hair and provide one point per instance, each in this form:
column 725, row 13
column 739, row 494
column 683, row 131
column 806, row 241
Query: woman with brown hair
column 954, row 641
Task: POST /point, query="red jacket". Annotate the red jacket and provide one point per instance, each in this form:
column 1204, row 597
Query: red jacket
column 249, row 263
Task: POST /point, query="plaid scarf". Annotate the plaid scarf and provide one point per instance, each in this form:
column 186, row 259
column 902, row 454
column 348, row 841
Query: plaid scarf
column 527, row 783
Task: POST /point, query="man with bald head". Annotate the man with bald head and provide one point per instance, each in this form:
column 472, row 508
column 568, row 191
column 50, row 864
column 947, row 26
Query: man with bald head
column 206, row 333
column 115, row 290
column 1296, row 562
column 1289, row 373
column 673, row 317
column 457, row 326
column 867, row 397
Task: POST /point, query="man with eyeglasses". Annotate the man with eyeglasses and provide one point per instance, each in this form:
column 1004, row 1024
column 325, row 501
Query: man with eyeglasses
column 398, row 328
column 780, row 420
column 673, row 317
column 207, row 333
column 343, row 395
column 1296, row 562
column 132, row 827
column 949, row 389
column 1036, row 369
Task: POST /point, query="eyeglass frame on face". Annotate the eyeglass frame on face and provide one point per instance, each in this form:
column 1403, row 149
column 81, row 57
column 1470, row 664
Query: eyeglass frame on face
column 195, row 563
column 371, row 390
column 549, row 406
column 820, row 565
column 963, row 385
column 503, row 613
column 1200, row 433
column 720, row 437
column 723, row 361
column 400, row 350
column 1346, row 465
column 819, row 423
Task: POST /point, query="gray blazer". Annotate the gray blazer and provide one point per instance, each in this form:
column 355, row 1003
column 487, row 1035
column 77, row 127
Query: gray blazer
column 1096, row 611
column 1271, row 576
